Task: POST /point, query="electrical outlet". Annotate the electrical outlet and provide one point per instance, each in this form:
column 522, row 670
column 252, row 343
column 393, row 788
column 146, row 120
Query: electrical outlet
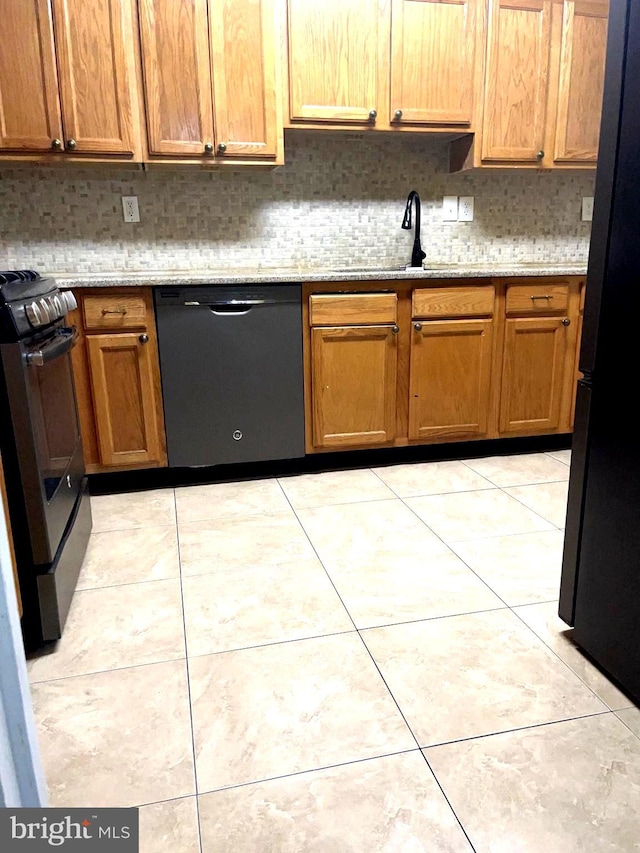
column 130, row 208
column 465, row 208
column 587, row 208
column 450, row 208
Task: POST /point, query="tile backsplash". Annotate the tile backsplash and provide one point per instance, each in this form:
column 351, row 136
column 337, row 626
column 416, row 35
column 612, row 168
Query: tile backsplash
column 339, row 201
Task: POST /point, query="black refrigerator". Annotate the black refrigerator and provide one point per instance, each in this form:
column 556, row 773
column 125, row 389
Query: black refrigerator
column 600, row 589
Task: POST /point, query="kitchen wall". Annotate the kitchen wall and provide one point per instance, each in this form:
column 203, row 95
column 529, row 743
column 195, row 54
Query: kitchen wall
column 339, row 201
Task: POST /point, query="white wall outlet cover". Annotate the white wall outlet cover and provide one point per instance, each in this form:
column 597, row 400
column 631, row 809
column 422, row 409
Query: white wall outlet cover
column 587, row 208
column 450, row 208
column 465, row 208
column 130, row 210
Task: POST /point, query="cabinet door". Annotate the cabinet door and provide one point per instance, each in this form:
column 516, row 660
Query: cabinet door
column 177, row 76
column 125, row 383
column 582, row 59
column 450, row 378
column 243, row 56
column 533, row 374
column 333, row 59
column 29, row 105
column 353, row 385
column 518, row 49
column 433, row 60
column 94, row 43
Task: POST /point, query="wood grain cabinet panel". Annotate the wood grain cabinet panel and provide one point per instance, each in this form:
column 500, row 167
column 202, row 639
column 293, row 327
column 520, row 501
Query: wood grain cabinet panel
column 243, row 55
column 333, row 59
column 453, row 301
column 177, row 76
column 533, row 375
column 518, row 50
column 124, row 389
column 433, row 60
column 450, row 379
column 353, row 382
column 29, row 103
column 110, row 313
column 95, row 48
column 358, row 309
column 537, row 298
column 581, row 83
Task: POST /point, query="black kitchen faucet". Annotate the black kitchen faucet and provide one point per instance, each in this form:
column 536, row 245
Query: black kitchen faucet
column 417, row 255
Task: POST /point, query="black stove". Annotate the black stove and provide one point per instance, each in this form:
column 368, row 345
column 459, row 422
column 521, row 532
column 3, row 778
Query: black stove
column 41, row 448
column 29, row 302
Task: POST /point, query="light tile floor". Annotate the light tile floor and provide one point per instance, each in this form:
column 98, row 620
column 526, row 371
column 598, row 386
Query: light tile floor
column 348, row 662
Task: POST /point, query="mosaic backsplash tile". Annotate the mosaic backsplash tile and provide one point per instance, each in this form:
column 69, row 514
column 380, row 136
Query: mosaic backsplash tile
column 338, row 202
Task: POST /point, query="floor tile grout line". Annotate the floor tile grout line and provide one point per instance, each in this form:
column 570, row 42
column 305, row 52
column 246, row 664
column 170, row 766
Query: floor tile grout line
column 304, row 530
column 188, row 671
column 272, row 643
column 529, row 727
column 482, row 580
column 522, row 503
column 555, row 654
column 617, row 715
column 126, row 583
column 104, row 671
column 446, row 798
column 309, row 770
column 413, row 735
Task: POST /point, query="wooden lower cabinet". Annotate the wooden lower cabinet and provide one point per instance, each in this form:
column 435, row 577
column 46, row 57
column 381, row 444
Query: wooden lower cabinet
column 117, row 379
column 124, row 399
column 534, row 375
column 450, row 379
column 353, row 385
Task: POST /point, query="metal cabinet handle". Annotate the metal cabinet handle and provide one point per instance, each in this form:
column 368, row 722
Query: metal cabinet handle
column 395, row 330
column 106, row 311
column 417, row 327
column 373, row 115
column 566, row 322
column 56, row 144
column 208, row 148
column 144, row 339
column 397, row 115
column 72, row 144
column 540, row 155
column 541, row 296
column 222, row 148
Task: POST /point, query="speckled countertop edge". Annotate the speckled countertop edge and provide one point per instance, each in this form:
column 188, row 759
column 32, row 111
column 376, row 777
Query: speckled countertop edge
column 281, row 276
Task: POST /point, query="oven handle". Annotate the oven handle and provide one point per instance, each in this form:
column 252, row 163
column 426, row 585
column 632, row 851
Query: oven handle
column 64, row 340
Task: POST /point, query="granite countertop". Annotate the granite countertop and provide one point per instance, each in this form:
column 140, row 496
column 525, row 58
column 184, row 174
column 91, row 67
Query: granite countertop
column 173, row 278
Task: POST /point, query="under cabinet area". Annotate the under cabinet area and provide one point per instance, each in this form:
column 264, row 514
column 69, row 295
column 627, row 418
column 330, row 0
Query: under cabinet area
column 117, row 378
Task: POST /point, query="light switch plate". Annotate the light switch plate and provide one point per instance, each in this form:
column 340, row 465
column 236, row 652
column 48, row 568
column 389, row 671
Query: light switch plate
column 465, row 208
column 587, row 208
column 450, row 208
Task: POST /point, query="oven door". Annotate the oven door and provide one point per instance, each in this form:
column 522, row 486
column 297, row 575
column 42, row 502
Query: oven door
column 47, row 435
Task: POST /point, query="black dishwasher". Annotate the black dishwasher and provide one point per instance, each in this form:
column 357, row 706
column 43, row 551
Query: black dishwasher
column 231, row 366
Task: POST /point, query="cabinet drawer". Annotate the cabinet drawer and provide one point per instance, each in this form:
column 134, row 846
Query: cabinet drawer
column 114, row 312
column 453, row 301
column 537, row 298
column 357, row 309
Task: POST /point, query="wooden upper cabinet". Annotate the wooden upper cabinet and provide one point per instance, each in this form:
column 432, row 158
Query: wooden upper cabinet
column 333, row 59
column 243, row 57
column 518, row 51
column 177, row 76
column 29, row 104
column 433, row 60
column 94, row 44
column 450, row 379
column 583, row 44
column 353, row 385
